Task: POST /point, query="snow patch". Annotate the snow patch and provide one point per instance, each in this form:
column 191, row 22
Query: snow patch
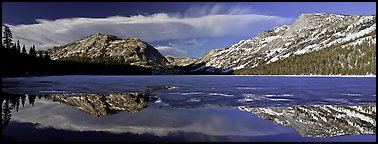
column 220, row 94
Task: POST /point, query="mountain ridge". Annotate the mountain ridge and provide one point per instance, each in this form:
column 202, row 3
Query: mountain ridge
column 108, row 48
column 309, row 32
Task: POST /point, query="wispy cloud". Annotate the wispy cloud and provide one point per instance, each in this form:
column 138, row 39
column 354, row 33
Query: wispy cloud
column 181, row 47
column 169, row 50
column 197, row 22
column 219, row 8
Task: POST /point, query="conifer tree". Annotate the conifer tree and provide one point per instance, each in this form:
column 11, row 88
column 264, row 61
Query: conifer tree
column 32, row 51
column 40, row 54
column 7, row 37
column 47, row 56
column 18, row 46
column 23, row 50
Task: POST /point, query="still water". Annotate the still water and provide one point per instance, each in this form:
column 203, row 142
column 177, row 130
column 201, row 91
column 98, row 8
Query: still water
column 189, row 108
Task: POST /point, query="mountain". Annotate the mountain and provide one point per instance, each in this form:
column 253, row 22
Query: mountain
column 101, row 48
column 359, row 59
column 322, row 120
column 180, row 61
column 99, row 105
column 309, row 33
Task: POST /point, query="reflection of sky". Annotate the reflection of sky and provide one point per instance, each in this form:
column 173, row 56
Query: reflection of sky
column 159, row 122
column 275, row 91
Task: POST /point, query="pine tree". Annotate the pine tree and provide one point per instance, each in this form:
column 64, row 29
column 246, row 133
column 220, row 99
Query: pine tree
column 32, row 51
column 14, row 48
column 7, row 37
column 47, row 56
column 40, row 54
column 355, row 59
column 18, row 46
column 23, row 50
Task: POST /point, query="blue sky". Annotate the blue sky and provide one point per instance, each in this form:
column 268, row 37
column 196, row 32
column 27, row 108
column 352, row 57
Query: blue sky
column 176, row 28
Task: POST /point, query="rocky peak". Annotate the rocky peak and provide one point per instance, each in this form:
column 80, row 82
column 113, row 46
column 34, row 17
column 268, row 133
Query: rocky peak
column 208, row 55
column 102, row 47
column 100, row 36
column 180, row 61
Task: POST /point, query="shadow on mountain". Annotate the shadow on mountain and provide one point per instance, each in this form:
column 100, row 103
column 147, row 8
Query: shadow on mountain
column 322, row 120
column 201, row 69
column 19, row 64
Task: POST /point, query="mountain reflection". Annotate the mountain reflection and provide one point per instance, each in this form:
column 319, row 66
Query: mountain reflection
column 99, row 105
column 96, row 105
column 322, row 120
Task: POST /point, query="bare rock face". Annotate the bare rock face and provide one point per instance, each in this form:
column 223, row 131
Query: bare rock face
column 310, row 32
column 180, row 61
column 322, row 120
column 108, row 48
column 99, row 105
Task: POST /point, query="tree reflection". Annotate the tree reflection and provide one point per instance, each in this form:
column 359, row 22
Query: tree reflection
column 12, row 101
column 96, row 105
column 9, row 102
column 6, row 113
column 31, row 99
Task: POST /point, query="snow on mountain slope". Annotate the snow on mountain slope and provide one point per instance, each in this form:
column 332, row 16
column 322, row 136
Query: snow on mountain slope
column 310, row 32
column 107, row 47
column 321, row 120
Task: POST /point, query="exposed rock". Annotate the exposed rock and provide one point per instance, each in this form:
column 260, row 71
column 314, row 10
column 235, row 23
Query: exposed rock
column 99, row 105
column 322, row 120
column 310, row 32
column 180, row 61
column 103, row 48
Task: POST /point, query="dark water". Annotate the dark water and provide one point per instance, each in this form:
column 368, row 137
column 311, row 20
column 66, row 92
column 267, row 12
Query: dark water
column 189, row 108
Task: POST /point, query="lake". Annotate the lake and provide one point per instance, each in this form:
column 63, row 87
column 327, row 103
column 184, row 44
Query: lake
column 188, row 108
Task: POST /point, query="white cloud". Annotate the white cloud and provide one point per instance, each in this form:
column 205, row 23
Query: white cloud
column 219, row 8
column 181, row 48
column 210, row 21
column 169, row 50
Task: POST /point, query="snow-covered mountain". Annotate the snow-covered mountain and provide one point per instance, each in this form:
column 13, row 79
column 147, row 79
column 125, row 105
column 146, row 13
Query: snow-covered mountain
column 322, row 120
column 101, row 48
column 309, row 32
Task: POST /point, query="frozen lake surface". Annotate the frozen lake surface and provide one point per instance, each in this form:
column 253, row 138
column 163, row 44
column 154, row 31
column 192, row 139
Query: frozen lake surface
column 189, row 108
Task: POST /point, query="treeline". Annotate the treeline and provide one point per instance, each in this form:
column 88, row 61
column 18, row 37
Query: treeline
column 357, row 59
column 15, row 61
column 19, row 64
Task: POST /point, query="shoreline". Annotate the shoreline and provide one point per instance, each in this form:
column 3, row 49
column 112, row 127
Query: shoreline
column 211, row 75
column 314, row 75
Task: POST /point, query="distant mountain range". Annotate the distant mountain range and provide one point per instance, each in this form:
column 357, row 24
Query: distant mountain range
column 310, row 33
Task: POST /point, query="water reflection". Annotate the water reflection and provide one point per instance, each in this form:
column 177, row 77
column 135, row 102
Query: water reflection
column 93, row 104
column 322, row 120
column 308, row 121
column 10, row 102
column 160, row 122
column 99, row 105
